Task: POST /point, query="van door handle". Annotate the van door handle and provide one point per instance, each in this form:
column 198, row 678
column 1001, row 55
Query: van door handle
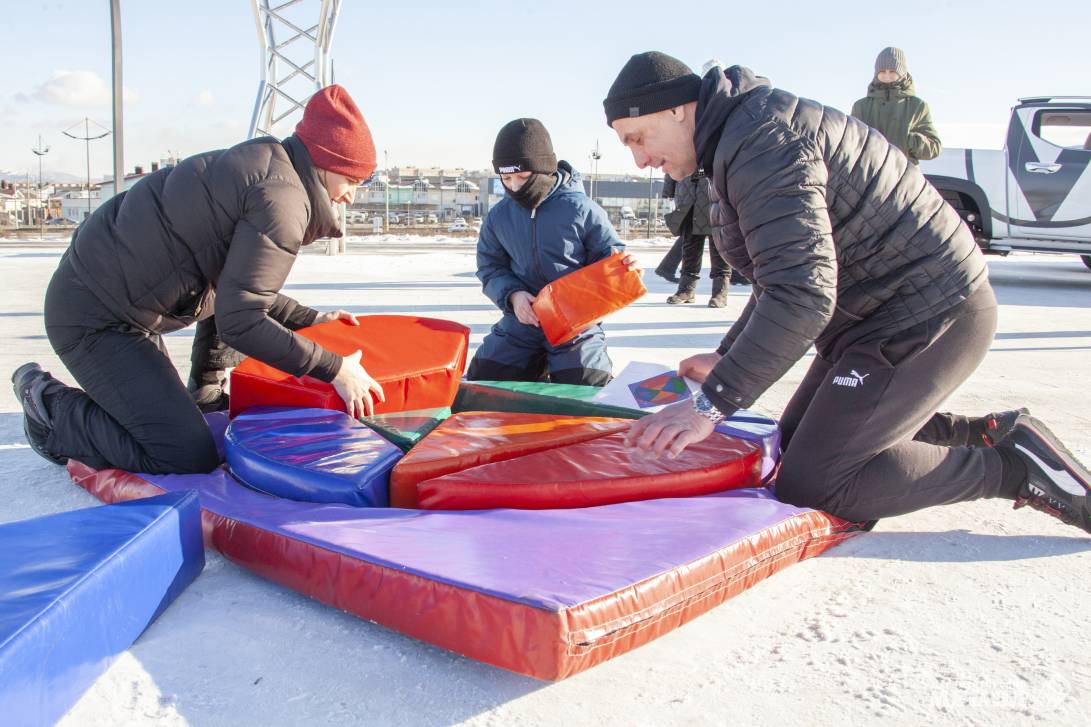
column 1043, row 167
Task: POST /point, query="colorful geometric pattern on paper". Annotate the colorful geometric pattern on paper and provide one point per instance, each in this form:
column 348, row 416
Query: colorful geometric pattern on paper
column 659, row 390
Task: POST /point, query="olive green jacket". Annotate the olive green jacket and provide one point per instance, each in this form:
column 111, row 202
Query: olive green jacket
column 904, row 119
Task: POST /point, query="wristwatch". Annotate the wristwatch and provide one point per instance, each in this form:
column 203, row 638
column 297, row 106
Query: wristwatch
column 704, row 406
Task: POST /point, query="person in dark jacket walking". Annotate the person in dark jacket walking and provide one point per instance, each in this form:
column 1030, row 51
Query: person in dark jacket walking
column 544, row 228
column 852, row 251
column 215, row 235
column 693, row 205
column 689, row 220
column 893, row 108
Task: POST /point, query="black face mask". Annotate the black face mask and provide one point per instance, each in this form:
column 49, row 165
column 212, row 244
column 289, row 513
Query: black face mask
column 534, row 190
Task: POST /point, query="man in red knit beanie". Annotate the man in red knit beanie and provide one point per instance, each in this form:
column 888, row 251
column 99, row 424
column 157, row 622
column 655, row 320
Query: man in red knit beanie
column 338, row 140
column 209, row 241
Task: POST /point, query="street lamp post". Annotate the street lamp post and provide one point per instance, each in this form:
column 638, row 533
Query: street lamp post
column 40, row 151
column 118, row 94
column 87, row 139
column 386, row 186
column 595, row 156
column 651, row 217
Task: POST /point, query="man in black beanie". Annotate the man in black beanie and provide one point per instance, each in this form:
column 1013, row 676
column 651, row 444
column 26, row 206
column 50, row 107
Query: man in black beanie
column 544, row 228
column 852, row 251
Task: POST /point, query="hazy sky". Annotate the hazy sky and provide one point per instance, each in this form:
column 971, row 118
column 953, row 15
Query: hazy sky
column 436, row 80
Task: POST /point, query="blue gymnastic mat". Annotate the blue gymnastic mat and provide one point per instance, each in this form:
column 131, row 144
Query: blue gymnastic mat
column 78, row 588
column 311, row 455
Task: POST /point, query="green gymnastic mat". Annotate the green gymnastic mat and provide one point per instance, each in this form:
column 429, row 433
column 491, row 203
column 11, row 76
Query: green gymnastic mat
column 532, row 397
column 406, row 428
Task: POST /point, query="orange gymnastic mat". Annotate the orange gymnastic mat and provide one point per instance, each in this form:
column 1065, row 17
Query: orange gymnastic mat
column 470, row 439
column 574, row 302
column 417, row 361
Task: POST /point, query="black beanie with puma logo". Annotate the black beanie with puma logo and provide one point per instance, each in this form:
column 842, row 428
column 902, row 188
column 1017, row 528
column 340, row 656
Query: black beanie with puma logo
column 523, row 145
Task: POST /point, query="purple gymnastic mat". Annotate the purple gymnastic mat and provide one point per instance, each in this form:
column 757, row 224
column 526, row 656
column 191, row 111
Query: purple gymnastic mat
column 546, row 593
column 551, row 559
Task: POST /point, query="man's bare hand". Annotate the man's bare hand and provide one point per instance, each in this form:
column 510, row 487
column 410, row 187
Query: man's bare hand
column 698, row 367
column 337, row 315
column 668, row 432
column 356, row 387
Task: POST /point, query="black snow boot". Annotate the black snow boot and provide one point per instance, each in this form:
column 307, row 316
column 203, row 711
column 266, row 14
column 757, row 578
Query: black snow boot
column 719, row 293
column 687, row 291
column 31, row 386
column 1056, row 482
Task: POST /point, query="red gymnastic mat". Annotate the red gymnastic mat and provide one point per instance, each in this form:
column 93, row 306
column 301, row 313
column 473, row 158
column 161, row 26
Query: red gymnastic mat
column 602, row 471
column 417, row 361
column 574, row 302
column 470, row 439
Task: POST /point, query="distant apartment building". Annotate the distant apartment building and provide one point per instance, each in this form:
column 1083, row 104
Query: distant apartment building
column 25, row 204
column 77, row 205
column 444, row 197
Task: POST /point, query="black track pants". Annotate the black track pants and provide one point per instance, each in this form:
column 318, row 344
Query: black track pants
column 850, row 427
column 133, row 411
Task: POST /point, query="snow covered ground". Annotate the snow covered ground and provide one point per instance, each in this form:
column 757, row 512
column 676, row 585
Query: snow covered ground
column 964, row 614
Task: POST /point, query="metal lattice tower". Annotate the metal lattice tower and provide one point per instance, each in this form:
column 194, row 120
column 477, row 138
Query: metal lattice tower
column 295, row 58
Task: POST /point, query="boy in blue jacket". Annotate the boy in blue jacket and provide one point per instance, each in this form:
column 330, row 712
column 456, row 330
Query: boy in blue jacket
column 545, row 227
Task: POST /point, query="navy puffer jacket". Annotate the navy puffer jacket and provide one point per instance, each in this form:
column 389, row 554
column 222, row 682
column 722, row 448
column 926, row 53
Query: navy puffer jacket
column 523, row 250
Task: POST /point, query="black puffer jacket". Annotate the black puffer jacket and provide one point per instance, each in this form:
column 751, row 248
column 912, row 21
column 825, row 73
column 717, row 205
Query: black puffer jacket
column 222, row 230
column 844, row 239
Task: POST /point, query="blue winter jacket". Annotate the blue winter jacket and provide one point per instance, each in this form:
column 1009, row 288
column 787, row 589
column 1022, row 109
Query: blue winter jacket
column 523, row 250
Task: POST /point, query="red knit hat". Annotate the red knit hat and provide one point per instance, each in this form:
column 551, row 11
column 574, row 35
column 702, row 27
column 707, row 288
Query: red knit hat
column 336, row 135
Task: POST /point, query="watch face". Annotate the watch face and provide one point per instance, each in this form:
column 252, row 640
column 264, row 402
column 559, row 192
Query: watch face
column 704, row 406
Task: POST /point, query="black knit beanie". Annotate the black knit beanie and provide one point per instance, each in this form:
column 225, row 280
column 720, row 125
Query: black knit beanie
column 650, row 82
column 523, row 145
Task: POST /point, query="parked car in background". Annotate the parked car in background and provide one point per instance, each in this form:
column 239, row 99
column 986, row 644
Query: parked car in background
column 462, row 226
column 1035, row 193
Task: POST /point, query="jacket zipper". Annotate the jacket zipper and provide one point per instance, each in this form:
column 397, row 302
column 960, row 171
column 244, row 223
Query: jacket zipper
column 534, row 245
